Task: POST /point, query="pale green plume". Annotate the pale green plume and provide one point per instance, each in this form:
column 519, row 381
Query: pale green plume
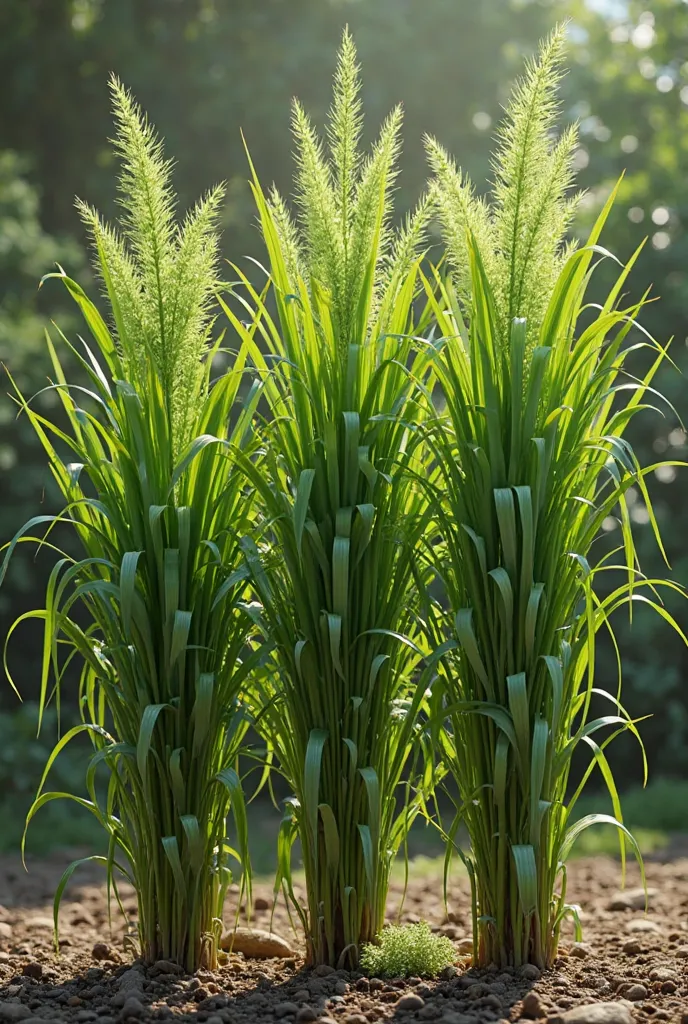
column 520, row 234
column 344, row 202
column 159, row 275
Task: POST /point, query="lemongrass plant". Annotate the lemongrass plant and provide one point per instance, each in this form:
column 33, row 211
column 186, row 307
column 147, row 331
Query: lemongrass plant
column 530, row 461
column 154, row 610
column 342, row 514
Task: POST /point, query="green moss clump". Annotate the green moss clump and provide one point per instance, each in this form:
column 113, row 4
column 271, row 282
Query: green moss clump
column 410, row 949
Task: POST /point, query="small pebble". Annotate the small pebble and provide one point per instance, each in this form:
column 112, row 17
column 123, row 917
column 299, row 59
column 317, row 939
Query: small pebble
column 306, row 1014
column 531, row 1006
column 632, row 947
column 33, row 970
column 663, row 974
column 580, row 949
column 594, row 1013
column 101, row 951
column 636, row 992
column 284, row 1009
column 530, row 972
column 410, row 1002
column 133, row 1007
column 167, row 967
column 644, row 924
column 323, row 971
column 631, row 899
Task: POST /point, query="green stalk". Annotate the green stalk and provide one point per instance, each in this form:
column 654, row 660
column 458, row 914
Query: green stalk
column 530, row 461
column 342, row 510
column 150, row 488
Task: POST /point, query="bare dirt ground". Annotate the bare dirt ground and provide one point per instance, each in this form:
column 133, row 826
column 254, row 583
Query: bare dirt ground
column 636, row 965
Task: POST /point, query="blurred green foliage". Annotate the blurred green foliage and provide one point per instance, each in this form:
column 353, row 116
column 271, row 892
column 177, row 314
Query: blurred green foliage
column 23, row 756
column 204, row 69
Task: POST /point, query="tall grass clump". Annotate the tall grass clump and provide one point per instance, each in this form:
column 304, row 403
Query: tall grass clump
column 530, row 461
column 154, row 609
column 342, row 511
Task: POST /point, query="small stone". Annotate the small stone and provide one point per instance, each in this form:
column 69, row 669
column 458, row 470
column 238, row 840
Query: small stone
column 530, row 972
column 33, row 970
column 284, row 1009
column 429, row 1012
column 302, row 996
column 260, row 903
column 74, row 1001
column 306, row 1014
column 15, row 1011
column 663, row 974
column 594, row 1013
column 355, row 1018
column 531, row 1006
column 410, row 1002
column 668, row 987
column 682, row 952
column 636, row 992
column 133, row 1007
column 40, row 922
column 167, row 967
column 374, row 985
column 449, row 972
column 323, row 971
column 465, row 946
column 5, row 930
column 632, row 947
column 341, row 988
column 131, row 979
column 215, row 1019
column 101, row 951
column 256, row 944
column 80, row 915
column 644, row 924
column 631, row 899
column 580, row 949
column 452, row 1017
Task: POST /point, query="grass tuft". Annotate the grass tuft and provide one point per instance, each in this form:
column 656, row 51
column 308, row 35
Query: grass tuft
column 334, row 564
column 531, row 460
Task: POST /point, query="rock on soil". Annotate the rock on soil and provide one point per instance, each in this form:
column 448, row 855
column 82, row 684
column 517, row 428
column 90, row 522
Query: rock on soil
column 255, row 943
column 631, row 968
column 595, row 1013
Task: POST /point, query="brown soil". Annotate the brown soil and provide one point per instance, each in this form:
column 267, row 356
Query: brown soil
column 635, row 961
